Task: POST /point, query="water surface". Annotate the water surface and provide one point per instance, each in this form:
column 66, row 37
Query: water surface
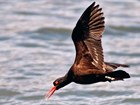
column 36, row 48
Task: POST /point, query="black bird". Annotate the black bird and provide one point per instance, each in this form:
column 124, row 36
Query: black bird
column 89, row 66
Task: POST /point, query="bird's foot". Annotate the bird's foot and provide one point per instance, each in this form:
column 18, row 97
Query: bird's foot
column 110, row 78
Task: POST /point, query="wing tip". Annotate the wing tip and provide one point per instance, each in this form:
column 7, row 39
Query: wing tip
column 92, row 20
column 94, row 5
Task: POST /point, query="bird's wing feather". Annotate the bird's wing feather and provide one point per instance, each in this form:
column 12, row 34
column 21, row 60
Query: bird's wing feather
column 112, row 66
column 87, row 37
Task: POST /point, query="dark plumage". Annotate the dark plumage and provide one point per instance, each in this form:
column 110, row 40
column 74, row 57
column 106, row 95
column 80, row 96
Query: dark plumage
column 89, row 66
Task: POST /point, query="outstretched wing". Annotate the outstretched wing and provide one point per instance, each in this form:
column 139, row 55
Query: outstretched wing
column 87, row 37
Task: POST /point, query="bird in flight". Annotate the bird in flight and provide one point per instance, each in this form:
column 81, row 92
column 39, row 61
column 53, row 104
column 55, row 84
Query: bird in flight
column 89, row 66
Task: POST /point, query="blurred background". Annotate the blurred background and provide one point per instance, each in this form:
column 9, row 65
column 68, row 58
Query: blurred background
column 36, row 48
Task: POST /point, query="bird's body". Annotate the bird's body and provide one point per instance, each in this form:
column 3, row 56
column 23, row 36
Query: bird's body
column 89, row 66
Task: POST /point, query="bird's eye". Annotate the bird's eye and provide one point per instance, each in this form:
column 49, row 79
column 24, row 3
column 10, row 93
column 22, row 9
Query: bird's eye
column 56, row 82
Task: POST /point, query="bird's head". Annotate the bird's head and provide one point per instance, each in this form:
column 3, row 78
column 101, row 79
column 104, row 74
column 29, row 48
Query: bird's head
column 58, row 83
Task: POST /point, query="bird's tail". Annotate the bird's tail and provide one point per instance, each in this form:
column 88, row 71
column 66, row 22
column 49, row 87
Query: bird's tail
column 116, row 75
